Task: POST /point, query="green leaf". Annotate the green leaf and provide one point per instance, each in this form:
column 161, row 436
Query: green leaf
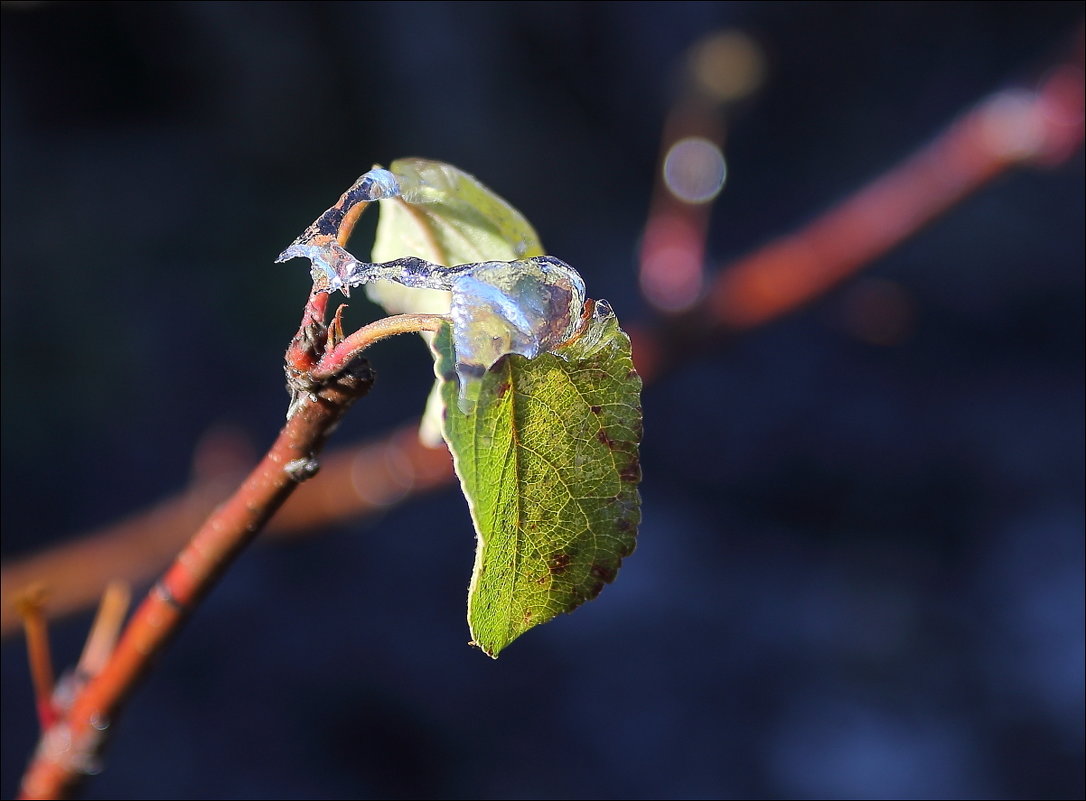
column 548, row 455
column 548, row 461
column 448, row 217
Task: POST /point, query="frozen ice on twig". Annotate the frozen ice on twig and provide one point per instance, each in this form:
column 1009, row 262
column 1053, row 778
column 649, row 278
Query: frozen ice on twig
column 378, row 184
column 319, row 242
column 526, row 306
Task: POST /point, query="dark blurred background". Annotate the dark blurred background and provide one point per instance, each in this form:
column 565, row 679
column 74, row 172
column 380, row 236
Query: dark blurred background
column 860, row 571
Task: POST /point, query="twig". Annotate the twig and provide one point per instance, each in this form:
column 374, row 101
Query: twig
column 69, row 746
column 1006, row 129
column 303, row 348
column 30, row 605
column 104, row 630
column 301, row 356
column 334, row 359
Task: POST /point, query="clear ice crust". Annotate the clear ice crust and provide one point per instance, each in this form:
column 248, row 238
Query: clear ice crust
column 528, row 306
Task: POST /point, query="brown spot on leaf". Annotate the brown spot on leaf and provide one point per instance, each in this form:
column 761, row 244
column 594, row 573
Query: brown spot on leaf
column 503, row 387
column 558, row 563
column 597, row 409
column 606, row 440
column 631, row 473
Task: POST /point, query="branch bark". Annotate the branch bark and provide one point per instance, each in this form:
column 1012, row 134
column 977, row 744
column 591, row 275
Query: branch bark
column 68, row 749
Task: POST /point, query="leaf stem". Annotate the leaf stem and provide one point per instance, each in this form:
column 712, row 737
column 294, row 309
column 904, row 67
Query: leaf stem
column 351, row 346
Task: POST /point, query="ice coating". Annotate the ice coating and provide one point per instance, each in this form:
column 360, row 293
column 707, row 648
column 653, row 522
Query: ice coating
column 526, row 306
column 329, row 261
column 378, row 184
column 319, row 242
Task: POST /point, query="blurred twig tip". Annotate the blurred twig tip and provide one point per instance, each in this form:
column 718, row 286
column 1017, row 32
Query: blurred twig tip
column 30, row 601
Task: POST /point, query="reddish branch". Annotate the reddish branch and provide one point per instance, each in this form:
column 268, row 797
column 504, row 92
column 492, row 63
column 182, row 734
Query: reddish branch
column 68, row 748
column 325, row 375
column 1006, row 129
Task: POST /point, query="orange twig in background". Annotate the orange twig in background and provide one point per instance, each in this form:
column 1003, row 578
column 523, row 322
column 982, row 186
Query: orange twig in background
column 106, row 628
column 30, row 606
column 353, row 483
column 134, row 549
column 1007, row 129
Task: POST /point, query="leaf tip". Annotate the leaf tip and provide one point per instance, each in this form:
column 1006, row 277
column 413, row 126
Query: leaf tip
column 491, row 652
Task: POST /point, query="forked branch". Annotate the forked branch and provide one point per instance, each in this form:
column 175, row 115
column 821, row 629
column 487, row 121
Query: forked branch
column 68, row 747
